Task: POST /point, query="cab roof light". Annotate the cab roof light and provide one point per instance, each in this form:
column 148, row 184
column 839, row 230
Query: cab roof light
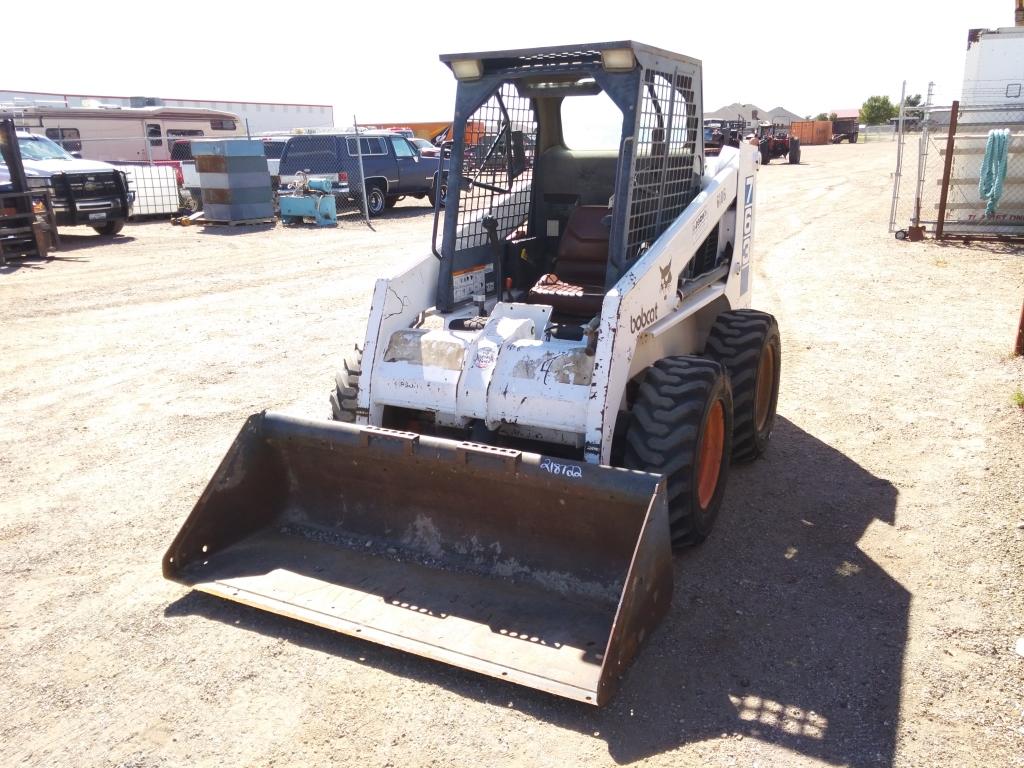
column 468, row 69
column 618, row 59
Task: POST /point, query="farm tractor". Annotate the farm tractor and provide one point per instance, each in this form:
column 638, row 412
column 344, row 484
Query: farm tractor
column 542, row 407
column 773, row 144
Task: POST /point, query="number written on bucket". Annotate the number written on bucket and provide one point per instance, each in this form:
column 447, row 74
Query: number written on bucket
column 565, row 470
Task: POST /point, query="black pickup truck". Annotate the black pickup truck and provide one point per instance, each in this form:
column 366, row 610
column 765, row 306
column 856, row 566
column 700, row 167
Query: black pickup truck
column 392, row 167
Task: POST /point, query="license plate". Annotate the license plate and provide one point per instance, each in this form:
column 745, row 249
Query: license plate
column 97, row 216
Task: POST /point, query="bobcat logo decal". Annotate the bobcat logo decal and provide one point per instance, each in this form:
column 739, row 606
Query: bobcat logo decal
column 666, row 276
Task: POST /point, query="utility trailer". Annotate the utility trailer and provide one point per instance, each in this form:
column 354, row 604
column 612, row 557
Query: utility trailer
column 542, row 406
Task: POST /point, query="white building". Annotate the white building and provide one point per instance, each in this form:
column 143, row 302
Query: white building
column 262, row 117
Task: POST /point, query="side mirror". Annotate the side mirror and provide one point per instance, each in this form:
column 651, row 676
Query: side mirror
column 76, row 155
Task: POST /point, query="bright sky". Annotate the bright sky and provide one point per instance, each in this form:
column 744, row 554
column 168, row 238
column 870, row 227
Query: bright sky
column 379, row 60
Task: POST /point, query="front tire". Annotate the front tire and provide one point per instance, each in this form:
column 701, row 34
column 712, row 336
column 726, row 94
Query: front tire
column 748, row 344
column 682, row 428
column 110, row 229
column 346, row 387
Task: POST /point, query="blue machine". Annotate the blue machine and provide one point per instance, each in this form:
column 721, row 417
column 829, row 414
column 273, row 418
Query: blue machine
column 309, row 199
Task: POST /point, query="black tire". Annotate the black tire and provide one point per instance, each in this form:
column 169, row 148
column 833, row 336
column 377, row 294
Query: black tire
column 669, row 430
column 196, row 194
column 766, row 153
column 110, row 229
column 901, row 234
column 444, row 194
column 376, row 200
column 748, row 344
column 346, row 387
column 794, row 152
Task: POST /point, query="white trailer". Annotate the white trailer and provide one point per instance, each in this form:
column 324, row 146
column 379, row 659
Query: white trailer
column 994, row 67
column 124, row 134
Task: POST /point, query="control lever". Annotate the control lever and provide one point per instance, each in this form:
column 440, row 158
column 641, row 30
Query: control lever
column 490, row 223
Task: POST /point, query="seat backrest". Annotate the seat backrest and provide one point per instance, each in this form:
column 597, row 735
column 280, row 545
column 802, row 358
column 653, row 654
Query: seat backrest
column 583, row 249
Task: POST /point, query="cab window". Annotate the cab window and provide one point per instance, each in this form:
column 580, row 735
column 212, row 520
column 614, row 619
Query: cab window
column 401, row 147
column 69, row 138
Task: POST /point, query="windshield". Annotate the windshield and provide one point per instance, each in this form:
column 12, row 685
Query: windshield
column 40, row 148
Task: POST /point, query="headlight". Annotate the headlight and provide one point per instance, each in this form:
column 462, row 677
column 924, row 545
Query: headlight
column 39, row 182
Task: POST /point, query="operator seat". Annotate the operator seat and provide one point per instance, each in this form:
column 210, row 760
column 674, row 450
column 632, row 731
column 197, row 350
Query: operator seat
column 576, row 288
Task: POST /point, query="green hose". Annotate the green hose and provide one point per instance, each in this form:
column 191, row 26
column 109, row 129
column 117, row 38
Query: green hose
column 993, row 169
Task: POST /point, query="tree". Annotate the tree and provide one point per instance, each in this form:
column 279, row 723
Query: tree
column 833, row 116
column 820, row 116
column 878, row 110
column 913, row 101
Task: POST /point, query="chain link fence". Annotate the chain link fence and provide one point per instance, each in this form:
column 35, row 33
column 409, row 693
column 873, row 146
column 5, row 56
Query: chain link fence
column 938, row 185
column 366, row 171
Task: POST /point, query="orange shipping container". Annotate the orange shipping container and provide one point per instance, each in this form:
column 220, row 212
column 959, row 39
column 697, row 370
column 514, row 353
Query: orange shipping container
column 812, row 131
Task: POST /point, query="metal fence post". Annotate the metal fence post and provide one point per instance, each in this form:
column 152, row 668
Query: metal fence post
column 362, row 176
column 899, row 160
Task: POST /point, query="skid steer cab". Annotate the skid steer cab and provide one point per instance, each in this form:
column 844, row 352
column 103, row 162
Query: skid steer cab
column 541, row 408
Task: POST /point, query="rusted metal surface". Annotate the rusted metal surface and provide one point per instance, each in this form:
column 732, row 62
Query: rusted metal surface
column 947, row 169
column 1018, row 347
column 547, row 573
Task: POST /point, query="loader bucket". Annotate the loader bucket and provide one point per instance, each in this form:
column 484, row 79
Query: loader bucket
column 547, row 573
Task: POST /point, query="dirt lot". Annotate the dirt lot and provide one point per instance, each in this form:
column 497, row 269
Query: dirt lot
column 858, row 605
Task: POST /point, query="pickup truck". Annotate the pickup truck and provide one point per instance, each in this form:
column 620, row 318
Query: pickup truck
column 88, row 192
column 393, row 168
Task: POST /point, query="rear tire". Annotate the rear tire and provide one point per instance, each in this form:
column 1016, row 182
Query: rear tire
column 681, row 427
column 747, row 343
column 346, row 387
column 794, row 152
column 376, row 200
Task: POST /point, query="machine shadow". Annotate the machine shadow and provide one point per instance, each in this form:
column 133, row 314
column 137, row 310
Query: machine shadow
column 70, row 241
column 781, row 629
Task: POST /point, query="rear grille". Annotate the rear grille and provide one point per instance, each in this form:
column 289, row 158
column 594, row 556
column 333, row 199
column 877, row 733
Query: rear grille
column 87, row 185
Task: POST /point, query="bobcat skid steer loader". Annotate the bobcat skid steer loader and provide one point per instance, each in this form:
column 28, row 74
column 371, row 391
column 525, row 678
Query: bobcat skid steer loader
column 542, row 407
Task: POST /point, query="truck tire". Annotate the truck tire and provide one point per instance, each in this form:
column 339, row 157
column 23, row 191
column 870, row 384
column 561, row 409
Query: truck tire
column 794, row 152
column 766, row 153
column 681, row 427
column 747, row 343
column 346, row 387
column 110, row 229
column 376, row 200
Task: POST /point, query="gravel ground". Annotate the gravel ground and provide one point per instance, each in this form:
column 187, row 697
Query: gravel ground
column 858, row 605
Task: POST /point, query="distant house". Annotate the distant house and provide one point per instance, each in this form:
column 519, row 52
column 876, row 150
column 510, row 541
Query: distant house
column 752, row 115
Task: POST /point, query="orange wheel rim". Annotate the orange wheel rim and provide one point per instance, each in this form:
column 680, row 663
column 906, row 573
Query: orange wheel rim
column 710, row 463
column 765, row 385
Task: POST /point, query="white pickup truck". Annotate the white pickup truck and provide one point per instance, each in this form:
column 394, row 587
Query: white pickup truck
column 84, row 192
